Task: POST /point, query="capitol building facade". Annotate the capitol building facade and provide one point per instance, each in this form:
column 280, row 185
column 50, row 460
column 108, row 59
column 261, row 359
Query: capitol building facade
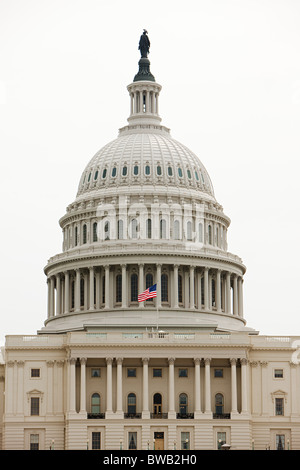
column 178, row 370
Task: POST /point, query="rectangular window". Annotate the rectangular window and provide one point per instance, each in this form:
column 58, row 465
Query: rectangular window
column 131, row 372
column 157, row 372
column 279, row 411
column 132, row 440
column 218, row 372
column 34, row 406
column 280, row 442
column 96, row 440
column 278, row 373
column 35, row 373
column 95, row 372
column 34, row 442
column 183, row 372
column 185, row 441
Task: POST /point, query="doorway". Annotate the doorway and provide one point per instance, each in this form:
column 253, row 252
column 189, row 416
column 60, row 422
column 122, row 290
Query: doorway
column 159, row 441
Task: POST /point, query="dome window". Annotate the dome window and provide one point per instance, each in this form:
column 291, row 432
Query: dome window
column 89, row 177
column 189, row 174
column 197, row 176
column 158, row 170
column 124, row 171
column 104, row 173
column 180, row 172
column 170, row 171
column 114, row 172
column 96, row 175
column 136, row 170
column 147, row 170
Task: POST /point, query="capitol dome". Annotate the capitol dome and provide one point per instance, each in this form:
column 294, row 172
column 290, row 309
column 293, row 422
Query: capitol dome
column 145, row 215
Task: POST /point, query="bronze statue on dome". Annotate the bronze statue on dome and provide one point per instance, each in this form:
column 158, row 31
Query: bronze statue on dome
column 144, row 44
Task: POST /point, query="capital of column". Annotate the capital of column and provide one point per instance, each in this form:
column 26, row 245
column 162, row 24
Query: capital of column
column 72, row 360
column 119, row 360
column 233, row 361
column 109, row 360
column 207, row 361
column 83, row 360
column 145, row 360
column 197, row 360
column 171, row 360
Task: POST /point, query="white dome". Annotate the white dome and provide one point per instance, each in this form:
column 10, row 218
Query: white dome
column 141, row 158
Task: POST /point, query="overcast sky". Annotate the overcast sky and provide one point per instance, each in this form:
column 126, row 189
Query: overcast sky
column 230, row 73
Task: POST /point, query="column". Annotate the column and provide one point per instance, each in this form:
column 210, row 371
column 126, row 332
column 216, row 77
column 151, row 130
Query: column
column 175, row 285
column 9, row 387
column 207, row 386
column 67, row 291
column 192, row 288
column 91, row 294
column 240, row 296
column 20, row 387
column 52, row 296
column 294, row 397
column 218, row 291
column 206, row 293
column 235, row 296
column 72, row 382
column 233, row 386
column 50, row 388
column 109, row 385
column 107, row 292
column 197, row 362
column 171, row 413
column 119, row 386
column 83, row 385
column 124, row 286
column 49, row 297
column 228, row 300
column 244, row 363
column 158, row 285
column 58, row 295
column 145, row 412
column 97, row 290
column 141, row 283
column 199, row 293
column 77, row 290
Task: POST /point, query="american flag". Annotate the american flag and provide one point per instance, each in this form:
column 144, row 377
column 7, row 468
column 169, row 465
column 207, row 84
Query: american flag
column 147, row 294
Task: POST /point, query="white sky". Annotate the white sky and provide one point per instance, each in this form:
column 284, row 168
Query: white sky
column 230, row 73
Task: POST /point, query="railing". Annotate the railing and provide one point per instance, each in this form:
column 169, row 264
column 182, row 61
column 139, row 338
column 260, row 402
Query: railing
column 132, row 415
column 159, row 415
column 185, row 416
column 221, row 415
column 96, row 415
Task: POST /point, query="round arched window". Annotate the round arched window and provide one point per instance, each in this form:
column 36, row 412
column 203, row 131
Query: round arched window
column 180, row 172
column 104, row 173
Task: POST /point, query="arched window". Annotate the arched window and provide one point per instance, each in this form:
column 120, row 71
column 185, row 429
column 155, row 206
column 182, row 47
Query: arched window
column 217, row 236
column 149, row 228
column 95, row 235
column 135, row 170
column 104, row 173
column 183, row 404
column 189, row 231
column 219, row 403
column 164, row 288
column 149, row 283
column 84, row 234
column 89, row 177
column 76, row 236
column 81, row 292
column 119, row 288
column 134, row 228
column 157, row 404
column 197, row 177
column 213, row 292
column 103, row 289
column 176, row 230
column 106, row 231
column 158, row 170
column 170, row 171
column 95, row 403
column 189, row 174
column 180, row 288
column 73, row 294
column 124, row 171
column 162, row 228
column 120, row 229
column 209, row 235
column 147, row 170
column 180, row 172
column 96, row 175
column 114, row 172
column 134, row 287
column 131, row 403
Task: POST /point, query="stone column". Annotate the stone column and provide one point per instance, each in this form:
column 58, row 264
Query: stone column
column 72, row 383
column 218, row 291
column 91, row 294
column 119, row 387
column 20, row 388
column 97, row 290
column 158, row 286
column 145, row 412
column 175, row 285
column 171, row 413
column 67, row 292
column 233, row 386
column 109, row 361
column 199, row 293
column 50, row 388
column 49, row 297
column 235, row 295
column 206, row 293
column 207, row 386
column 124, row 286
column 107, row 292
column 240, row 295
column 192, row 288
column 294, row 394
column 9, row 387
column 244, row 363
column 197, row 362
column 83, row 385
column 228, row 300
column 52, row 307
column 58, row 295
column 141, row 283
column 77, row 290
